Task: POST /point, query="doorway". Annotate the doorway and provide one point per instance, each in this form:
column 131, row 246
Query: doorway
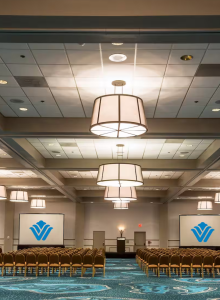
column 99, row 239
column 139, row 240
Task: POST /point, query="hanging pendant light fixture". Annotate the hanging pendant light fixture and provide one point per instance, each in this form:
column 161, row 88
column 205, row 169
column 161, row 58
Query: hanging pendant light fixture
column 118, row 116
column 217, row 198
column 204, row 205
column 19, row 196
column 120, row 175
column 38, row 203
column 120, row 193
column 3, row 194
column 121, row 205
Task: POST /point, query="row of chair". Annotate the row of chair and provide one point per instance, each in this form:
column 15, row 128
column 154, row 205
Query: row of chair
column 53, row 260
column 177, row 261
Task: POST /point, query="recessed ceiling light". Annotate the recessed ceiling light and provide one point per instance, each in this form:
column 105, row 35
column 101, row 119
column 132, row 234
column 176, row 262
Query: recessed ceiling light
column 157, row 189
column 186, row 57
column 189, row 189
column 182, row 155
column 216, row 109
column 23, row 108
column 85, row 189
column 117, row 44
column 58, row 154
column 3, row 81
column 91, row 202
column 118, row 57
column 151, row 202
column 51, row 144
column 75, row 176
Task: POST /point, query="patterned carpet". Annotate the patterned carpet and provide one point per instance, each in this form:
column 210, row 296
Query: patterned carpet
column 124, row 280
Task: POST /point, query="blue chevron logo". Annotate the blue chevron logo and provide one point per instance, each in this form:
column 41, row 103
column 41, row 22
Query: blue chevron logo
column 41, row 230
column 202, row 232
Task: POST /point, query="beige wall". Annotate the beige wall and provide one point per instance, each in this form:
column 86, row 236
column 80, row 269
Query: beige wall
column 2, row 224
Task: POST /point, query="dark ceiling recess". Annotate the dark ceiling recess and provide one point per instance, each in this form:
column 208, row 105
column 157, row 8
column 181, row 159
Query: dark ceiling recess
column 31, row 81
column 206, row 70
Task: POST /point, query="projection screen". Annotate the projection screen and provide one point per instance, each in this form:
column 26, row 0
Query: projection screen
column 41, row 229
column 199, row 230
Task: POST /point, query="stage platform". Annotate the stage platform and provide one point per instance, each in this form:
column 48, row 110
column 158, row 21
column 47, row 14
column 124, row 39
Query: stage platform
column 120, row 255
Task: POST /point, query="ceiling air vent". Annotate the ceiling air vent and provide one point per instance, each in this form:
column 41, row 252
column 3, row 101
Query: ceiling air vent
column 31, row 81
column 17, row 101
column 72, row 145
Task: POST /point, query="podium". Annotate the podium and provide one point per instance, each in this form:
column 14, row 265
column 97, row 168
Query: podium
column 121, row 244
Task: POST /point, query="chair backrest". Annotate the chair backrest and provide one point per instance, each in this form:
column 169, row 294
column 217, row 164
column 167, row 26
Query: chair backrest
column 186, row 260
column 175, row 260
column 1, row 259
column 19, row 259
column 87, row 259
column 8, row 259
column 99, row 260
column 197, row 260
column 31, row 258
column 217, row 261
column 164, row 260
column 42, row 258
column 76, row 259
column 65, row 259
column 208, row 260
column 54, row 258
column 153, row 260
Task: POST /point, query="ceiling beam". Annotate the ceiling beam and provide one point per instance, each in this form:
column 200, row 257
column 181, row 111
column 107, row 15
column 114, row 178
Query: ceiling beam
column 24, row 182
column 140, row 194
column 79, row 127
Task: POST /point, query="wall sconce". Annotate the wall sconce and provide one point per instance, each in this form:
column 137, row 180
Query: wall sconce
column 121, row 230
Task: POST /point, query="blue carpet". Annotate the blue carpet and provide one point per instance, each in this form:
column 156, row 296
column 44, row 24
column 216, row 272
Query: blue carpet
column 124, row 280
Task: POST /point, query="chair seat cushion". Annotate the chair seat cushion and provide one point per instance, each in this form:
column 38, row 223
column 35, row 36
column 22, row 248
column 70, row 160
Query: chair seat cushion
column 174, row 266
column 77, row 265
column 9, row 265
column 164, row 266
column 88, row 266
column 43, row 265
column 186, row 266
column 207, row 266
column 31, row 265
column 19, row 265
column 54, row 265
column 196, row 266
column 98, row 266
column 217, row 266
column 65, row 265
column 152, row 266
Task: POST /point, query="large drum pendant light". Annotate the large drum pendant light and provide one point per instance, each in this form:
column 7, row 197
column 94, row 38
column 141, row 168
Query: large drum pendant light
column 3, row 194
column 118, row 116
column 120, row 175
column 217, row 198
column 121, row 205
column 120, row 193
column 38, row 203
column 204, row 205
column 19, row 196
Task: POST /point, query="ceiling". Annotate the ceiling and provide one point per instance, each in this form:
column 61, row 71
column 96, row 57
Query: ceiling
column 62, row 80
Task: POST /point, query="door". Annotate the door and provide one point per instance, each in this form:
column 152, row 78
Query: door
column 99, row 239
column 139, row 240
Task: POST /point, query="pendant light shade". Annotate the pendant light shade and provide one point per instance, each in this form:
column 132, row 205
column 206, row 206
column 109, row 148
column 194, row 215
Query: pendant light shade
column 118, row 116
column 120, row 175
column 120, row 205
column 19, row 196
column 204, row 205
column 120, row 193
column 3, row 194
column 38, row 203
column 217, row 198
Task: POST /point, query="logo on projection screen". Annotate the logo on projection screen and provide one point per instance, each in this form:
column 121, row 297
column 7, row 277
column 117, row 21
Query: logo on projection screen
column 41, row 230
column 202, row 232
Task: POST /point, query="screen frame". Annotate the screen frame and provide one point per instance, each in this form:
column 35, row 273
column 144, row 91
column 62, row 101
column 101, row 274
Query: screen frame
column 194, row 215
column 40, row 214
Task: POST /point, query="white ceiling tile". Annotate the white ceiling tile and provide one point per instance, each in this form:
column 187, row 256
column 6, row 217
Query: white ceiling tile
column 11, row 91
column 87, row 70
column 202, row 95
column 154, row 46
column 69, row 111
column 46, row 46
column 148, row 82
column 66, row 96
column 56, row 70
column 190, row 46
column 4, row 71
column 37, row 92
column 107, row 46
column 24, row 70
column 17, row 56
column 60, row 82
column 181, row 70
column 151, row 57
column 31, row 112
column 172, row 96
column 190, row 111
column 7, row 111
column 11, row 82
column 214, row 46
column 48, row 110
column 192, row 141
column 204, row 82
column 42, row 100
column 88, row 97
column 127, row 89
column 195, row 154
column 89, row 82
column 164, row 111
column 2, row 101
column 208, row 113
column 46, row 57
column 215, row 97
column 149, row 111
column 128, row 52
column 18, row 46
column 207, row 141
column 25, row 99
column 149, row 96
column 124, row 71
column 170, row 82
column 211, row 57
column 84, row 57
column 149, row 70
column 84, row 47
column 175, row 57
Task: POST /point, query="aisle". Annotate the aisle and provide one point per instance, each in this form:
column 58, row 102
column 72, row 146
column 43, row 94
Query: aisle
column 124, row 280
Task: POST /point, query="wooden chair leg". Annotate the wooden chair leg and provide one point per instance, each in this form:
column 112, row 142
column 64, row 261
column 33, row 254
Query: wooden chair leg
column 93, row 271
column 82, row 272
column 213, row 272
column 25, row 271
column 2, row 271
column 59, row 271
column 158, row 272
column 104, row 271
column 48, row 271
